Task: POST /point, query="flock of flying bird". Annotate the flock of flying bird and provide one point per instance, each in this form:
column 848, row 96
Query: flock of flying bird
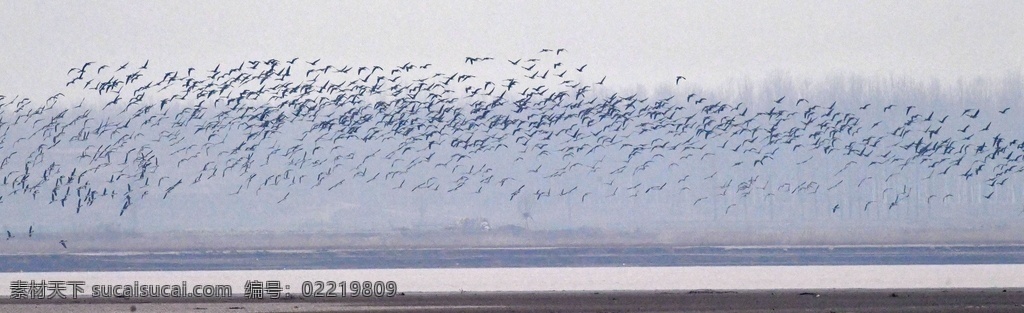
column 119, row 136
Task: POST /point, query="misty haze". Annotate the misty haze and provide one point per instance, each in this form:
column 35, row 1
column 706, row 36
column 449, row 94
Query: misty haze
column 534, row 134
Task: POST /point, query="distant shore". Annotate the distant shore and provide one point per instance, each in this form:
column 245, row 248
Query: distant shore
column 505, row 236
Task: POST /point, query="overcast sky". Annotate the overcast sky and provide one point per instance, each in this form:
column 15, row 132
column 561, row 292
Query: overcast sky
column 646, row 43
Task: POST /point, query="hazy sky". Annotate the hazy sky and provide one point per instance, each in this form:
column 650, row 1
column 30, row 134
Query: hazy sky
column 634, row 42
column 645, row 43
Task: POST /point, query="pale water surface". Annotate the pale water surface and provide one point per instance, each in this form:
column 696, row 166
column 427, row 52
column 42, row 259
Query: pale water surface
column 582, row 279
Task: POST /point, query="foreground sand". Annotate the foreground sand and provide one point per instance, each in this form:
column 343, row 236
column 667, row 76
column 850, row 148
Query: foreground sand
column 901, row 300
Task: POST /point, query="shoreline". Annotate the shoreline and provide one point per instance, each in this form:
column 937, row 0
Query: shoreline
column 514, row 248
column 172, row 242
column 821, row 300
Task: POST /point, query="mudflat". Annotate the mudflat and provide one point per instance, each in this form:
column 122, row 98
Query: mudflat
column 845, row 300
